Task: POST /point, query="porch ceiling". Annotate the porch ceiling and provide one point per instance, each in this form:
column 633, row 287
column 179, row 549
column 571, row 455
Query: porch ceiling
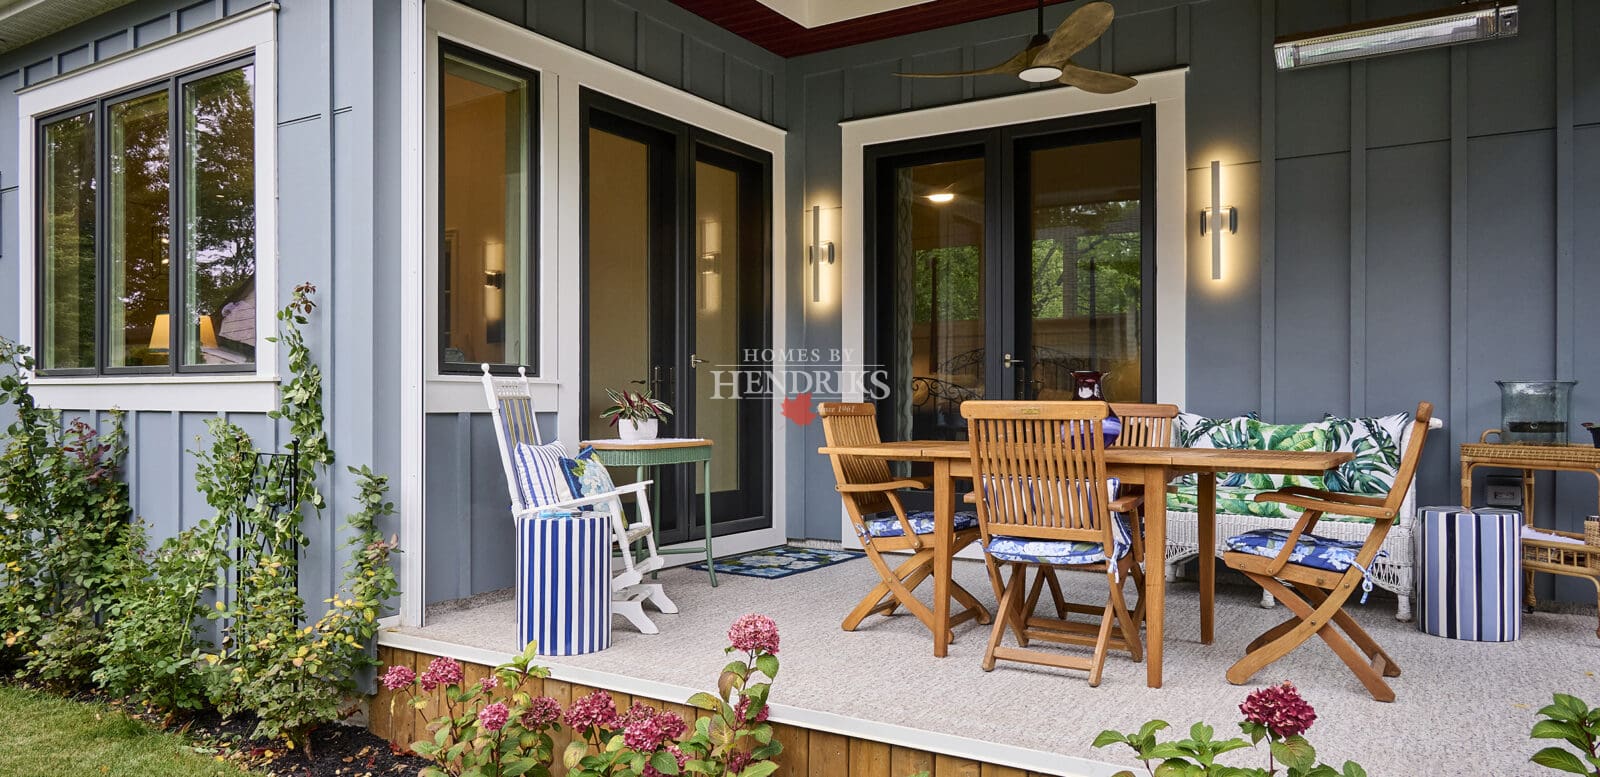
column 793, row 27
column 25, row 21
column 1458, row 702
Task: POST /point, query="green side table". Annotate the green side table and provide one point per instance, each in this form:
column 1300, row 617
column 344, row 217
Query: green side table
column 645, row 454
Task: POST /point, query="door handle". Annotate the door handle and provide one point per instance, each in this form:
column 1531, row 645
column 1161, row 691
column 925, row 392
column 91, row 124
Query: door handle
column 1009, row 361
column 695, row 361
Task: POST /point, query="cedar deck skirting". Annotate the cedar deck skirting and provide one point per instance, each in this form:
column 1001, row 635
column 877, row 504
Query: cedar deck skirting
column 806, row 753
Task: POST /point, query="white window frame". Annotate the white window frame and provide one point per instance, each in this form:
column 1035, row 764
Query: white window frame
column 252, row 33
column 1165, row 90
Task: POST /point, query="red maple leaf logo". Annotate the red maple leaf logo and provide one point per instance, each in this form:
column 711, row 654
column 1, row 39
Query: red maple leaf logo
column 798, row 409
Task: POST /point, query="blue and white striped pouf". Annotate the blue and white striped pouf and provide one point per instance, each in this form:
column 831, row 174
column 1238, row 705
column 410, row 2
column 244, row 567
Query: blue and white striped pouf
column 1469, row 573
column 564, row 582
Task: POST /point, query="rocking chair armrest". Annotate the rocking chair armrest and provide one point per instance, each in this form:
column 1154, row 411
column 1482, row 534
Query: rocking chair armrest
column 584, row 501
column 1333, row 496
column 1321, row 505
column 870, row 488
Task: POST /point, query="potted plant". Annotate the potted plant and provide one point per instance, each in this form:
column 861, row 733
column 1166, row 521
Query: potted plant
column 635, row 414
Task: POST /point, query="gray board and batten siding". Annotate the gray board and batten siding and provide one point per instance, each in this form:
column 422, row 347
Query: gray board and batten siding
column 1423, row 226
column 338, row 154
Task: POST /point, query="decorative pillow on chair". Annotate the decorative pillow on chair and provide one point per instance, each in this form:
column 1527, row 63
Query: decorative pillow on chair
column 587, row 475
column 1376, row 444
column 540, row 477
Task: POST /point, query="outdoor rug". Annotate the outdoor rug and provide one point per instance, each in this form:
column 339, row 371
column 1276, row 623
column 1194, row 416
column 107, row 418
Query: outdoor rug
column 781, row 561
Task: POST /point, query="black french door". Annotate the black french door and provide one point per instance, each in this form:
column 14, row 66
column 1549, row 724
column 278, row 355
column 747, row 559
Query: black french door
column 677, row 249
column 1004, row 260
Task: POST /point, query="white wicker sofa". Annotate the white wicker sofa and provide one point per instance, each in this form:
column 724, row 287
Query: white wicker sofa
column 1392, row 572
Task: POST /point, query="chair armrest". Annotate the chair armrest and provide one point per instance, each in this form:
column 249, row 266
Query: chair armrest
column 924, row 482
column 1126, row 504
column 869, row 488
column 1333, row 496
column 1325, row 505
column 583, row 501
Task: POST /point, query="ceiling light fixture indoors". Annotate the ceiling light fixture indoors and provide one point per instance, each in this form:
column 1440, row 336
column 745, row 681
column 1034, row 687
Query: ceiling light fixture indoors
column 1464, row 23
column 1049, row 57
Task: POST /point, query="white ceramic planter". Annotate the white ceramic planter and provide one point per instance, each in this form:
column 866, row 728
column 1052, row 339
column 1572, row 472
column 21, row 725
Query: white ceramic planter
column 637, row 430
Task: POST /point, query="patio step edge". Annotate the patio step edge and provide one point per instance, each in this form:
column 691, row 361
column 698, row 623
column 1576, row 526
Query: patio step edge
column 994, row 753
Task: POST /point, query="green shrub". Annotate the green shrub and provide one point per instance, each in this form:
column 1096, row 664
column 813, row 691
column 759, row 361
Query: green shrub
column 66, row 536
column 1569, row 719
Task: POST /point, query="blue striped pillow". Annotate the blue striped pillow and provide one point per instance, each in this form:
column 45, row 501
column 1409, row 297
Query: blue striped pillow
column 540, row 478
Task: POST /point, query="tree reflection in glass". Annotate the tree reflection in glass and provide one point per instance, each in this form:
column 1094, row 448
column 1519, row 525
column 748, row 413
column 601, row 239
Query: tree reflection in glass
column 67, row 235
column 219, row 251
column 138, row 230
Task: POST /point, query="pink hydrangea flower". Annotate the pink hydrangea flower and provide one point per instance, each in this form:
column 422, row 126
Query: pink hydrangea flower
column 442, row 671
column 1280, row 708
column 595, row 710
column 754, row 633
column 542, row 711
column 737, row 761
column 741, row 710
column 489, row 683
column 645, row 728
column 397, row 677
column 494, row 716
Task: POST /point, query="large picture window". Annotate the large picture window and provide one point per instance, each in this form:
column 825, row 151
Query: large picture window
column 487, row 236
column 113, row 259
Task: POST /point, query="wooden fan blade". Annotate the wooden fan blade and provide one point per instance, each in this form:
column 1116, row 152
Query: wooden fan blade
column 1012, row 66
column 1097, row 81
column 1076, row 32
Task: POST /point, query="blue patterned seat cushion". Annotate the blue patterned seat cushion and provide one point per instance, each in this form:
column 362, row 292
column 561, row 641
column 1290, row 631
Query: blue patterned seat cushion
column 1333, row 555
column 921, row 523
column 1033, row 551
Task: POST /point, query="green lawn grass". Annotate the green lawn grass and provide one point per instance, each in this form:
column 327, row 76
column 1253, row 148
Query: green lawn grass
column 42, row 734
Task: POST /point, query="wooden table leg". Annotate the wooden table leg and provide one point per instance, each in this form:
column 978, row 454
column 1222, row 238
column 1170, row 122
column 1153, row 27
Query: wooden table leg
column 1155, row 578
column 944, row 518
column 1208, row 553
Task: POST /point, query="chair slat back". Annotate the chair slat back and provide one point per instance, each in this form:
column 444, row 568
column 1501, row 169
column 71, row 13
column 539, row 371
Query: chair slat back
column 1145, row 425
column 515, row 422
column 856, row 423
column 1039, row 469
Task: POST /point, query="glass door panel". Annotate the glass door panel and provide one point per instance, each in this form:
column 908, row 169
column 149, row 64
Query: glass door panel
column 940, row 327
column 1085, row 250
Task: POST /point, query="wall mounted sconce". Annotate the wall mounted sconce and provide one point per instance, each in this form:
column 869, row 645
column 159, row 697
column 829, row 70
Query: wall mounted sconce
column 710, row 259
column 818, row 252
column 1215, row 219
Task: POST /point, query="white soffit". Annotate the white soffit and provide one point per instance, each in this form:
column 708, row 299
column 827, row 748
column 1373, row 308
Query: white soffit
column 816, row 13
column 25, row 21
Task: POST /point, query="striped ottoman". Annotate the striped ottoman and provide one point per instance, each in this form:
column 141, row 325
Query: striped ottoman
column 564, row 582
column 1469, row 573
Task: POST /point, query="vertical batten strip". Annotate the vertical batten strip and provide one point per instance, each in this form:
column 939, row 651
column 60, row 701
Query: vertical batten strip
column 1268, row 191
column 1459, row 162
column 1565, row 164
column 1358, row 226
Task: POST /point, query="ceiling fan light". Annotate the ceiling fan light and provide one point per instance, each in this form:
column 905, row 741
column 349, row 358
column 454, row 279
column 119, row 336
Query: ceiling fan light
column 1039, row 74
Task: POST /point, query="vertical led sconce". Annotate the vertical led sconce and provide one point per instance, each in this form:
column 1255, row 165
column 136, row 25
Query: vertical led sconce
column 1215, row 219
column 818, row 252
column 710, row 258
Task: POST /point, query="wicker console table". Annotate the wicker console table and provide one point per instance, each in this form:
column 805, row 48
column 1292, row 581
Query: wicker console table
column 643, row 454
column 1553, row 556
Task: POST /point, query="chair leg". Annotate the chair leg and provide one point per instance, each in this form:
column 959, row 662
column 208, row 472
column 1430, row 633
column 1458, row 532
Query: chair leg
column 658, row 597
column 1005, row 612
column 893, row 583
column 1127, row 623
column 1357, row 634
column 968, row 601
column 1319, row 621
column 634, row 612
column 1054, row 583
column 1097, row 662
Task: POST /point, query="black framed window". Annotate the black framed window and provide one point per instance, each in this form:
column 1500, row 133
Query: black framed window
column 488, row 311
column 146, row 199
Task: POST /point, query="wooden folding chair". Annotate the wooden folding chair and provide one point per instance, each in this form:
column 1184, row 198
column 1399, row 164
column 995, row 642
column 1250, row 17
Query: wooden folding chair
column 1044, row 501
column 1144, row 426
column 871, row 498
column 1295, row 564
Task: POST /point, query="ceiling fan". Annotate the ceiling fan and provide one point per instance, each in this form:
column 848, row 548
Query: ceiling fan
column 1049, row 57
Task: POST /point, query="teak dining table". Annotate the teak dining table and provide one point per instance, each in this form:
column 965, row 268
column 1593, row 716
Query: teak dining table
column 1151, row 467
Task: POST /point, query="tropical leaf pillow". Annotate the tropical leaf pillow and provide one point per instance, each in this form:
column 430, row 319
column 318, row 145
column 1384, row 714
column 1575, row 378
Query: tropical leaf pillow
column 1198, row 431
column 1376, row 444
column 1319, row 436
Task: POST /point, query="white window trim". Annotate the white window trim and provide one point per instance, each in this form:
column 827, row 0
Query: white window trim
column 563, row 73
column 251, row 33
column 1164, row 90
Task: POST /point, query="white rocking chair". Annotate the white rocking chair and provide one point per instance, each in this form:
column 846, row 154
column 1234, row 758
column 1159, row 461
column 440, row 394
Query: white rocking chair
column 511, row 402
